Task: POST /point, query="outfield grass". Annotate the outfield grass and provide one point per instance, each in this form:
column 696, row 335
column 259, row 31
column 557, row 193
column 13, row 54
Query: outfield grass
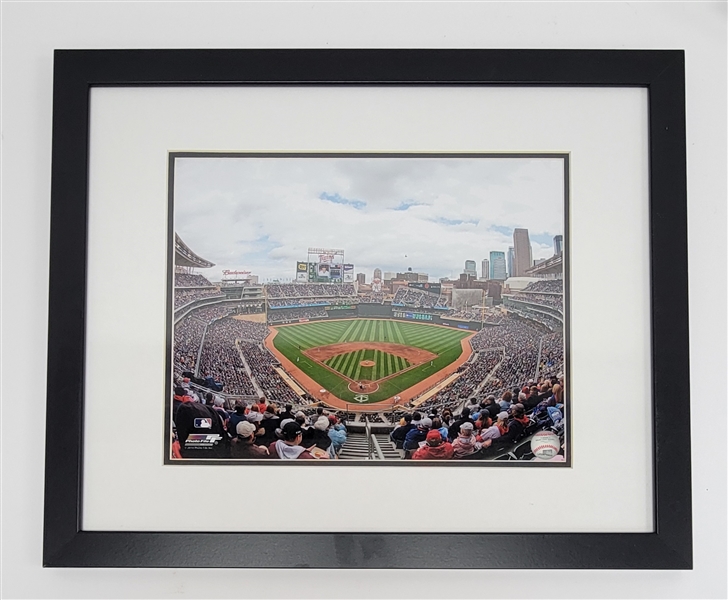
column 291, row 340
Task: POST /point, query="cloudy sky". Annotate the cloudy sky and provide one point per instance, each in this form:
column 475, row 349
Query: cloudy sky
column 431, row 214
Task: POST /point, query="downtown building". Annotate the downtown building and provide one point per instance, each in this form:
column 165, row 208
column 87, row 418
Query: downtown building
column 498, row 266
column 523, row 256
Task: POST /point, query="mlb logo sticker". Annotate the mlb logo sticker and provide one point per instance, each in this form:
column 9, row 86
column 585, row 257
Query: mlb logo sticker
column 203, row 423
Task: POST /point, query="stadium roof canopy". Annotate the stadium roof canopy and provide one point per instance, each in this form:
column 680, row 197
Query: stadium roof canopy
column 550, row 267
column 184, row 257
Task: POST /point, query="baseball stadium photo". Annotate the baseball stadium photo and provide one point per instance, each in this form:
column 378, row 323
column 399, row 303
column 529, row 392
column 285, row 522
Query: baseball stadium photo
column 407, row 309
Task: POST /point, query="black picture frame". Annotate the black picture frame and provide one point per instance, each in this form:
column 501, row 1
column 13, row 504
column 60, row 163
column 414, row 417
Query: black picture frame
column 662, row 72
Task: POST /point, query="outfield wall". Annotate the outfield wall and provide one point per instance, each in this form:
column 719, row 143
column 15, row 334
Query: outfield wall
column 387, row 311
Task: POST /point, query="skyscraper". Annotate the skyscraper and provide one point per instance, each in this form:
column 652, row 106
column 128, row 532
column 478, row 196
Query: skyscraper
column 470, row 268
column 485, row 270
column 523, row 258
column 558, row 244
column 498, row 266
column 510, row 260
column 377, row 273
column 361, row 278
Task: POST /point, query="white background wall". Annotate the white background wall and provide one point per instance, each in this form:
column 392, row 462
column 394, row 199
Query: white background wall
column 31, row 30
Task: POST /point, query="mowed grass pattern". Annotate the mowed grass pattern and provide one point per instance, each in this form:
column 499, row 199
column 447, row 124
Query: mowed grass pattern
column 293, row 339
column 385, row 364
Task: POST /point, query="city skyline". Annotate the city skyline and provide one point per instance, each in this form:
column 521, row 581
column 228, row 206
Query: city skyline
column 430, row 215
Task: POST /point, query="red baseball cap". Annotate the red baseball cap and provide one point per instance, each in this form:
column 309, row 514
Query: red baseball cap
column 433, row 435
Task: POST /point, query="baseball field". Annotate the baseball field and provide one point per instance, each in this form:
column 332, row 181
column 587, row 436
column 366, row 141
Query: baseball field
column 368, row 360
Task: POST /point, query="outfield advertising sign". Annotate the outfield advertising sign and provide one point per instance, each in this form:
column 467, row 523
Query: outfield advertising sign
column 398, row 314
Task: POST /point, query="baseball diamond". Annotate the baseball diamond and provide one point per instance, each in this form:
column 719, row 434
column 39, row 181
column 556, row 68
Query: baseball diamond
column 383, row 357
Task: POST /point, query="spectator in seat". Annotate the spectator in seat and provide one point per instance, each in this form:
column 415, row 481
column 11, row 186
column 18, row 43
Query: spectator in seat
column 237, row 416
column 435, row 448
column 320, row 437
column 454, row 430
column 254, row 415
column 287, row 414
column 418, row 434
column 545, row 392
column 438, row 426
column 289, row 447
column 502, row 423
column 269, row 424
column 242, row 445
column 261, row 405
column 219, row 405
column 492, row 406
column 506, row 400
column 466, row 443
column 516, row 426
column 179, row 398
column 337, row 433
column 532, row 400
column 487, row 430
column 400, row 433
column 447, row 417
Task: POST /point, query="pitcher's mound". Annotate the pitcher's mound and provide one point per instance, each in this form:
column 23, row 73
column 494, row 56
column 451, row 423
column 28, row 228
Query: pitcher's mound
column 367, row 363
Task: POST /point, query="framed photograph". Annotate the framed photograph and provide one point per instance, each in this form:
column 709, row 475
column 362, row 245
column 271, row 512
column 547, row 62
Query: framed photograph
column 298, row 269
column 397, row 348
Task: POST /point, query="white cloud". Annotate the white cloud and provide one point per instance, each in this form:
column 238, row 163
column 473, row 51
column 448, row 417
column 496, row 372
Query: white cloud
column 262, row 214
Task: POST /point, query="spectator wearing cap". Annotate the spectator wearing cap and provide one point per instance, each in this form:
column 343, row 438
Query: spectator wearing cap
column 466, row 443
column 269, row 424
column 399, row 433
column 434, row 448
column 337, row 434
column 219, row 405
column 289, row 447
column 516, row 426
column 243, row 445
column 502, row 423
column 320, row 437
column 454, row 430
column 418, row 434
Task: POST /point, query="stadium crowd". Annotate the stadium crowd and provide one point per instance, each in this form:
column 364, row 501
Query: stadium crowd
column 372, row 298
column 184, row 296
column 407, row 296
column 553, row 286
column 182, row 280
column 262, row 364
column 308, row 290
column 220, row 359
column 550, row 300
